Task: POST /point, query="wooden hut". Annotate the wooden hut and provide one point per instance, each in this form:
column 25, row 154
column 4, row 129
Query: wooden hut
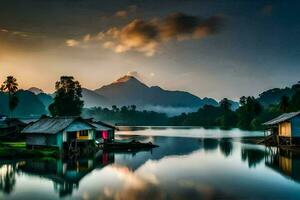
column 285, row 129
column 66, row 132
column 10, row 128
column 58, row 132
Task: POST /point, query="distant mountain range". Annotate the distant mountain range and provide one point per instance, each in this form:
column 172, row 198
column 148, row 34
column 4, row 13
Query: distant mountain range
column 126, row 91
column 93, row 99
column 130, row 91
column 29, row 105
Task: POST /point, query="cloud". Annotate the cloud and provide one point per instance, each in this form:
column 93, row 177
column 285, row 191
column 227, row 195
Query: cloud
column 138, row 35
column 145, row 36
column 22, row 40
column 181, row 26
column 72, row 43
column 133, row 73
column 125, row 13
column 121, row 13
column 15, row 33
column 137, row 75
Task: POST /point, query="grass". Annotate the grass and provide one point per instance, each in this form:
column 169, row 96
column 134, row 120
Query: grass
column 14, row 150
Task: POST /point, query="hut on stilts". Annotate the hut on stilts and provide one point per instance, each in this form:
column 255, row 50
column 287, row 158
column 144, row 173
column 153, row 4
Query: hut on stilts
column 283, row 130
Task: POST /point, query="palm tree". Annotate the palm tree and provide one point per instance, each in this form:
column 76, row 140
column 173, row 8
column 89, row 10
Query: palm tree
column 10, row 86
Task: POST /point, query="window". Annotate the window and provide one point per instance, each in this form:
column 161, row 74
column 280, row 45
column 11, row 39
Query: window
column 83, row 133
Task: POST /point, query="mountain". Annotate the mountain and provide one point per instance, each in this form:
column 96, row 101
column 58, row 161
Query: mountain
column 273, row 96
column 128, row 90
column 29, row 105
column 46, row 99
column 92, row 99
column 35, row 90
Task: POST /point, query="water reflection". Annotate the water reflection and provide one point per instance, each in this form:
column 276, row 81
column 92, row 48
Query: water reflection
column 209, row 144
column 7, row 178
column 285, row 162
column 252, row 155
column 180, row 168
column 226, row 147
column 65, row 174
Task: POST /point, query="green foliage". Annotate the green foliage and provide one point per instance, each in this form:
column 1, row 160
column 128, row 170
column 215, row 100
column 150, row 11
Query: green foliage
column 67, row 100
column 294, row 104
column 250, row 108
column 225, row 104
column 207, row 116
column 127, row 115
column 19, row 150
column 284, row 103
column 273, row 96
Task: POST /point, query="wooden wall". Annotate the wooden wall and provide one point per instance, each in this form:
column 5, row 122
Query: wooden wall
column 285, row 129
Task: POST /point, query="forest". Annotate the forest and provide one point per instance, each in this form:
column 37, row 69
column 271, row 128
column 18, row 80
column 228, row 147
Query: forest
column 249, row 116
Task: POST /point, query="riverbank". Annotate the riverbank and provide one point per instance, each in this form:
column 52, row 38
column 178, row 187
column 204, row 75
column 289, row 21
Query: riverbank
column 14, row 150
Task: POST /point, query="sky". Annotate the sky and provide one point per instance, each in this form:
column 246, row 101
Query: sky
column 211, row 48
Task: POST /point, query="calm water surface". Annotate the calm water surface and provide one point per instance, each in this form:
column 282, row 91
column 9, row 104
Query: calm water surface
column 189, row 164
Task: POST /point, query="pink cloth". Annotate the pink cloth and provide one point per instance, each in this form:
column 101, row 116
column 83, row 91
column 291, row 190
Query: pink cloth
column 105, row 135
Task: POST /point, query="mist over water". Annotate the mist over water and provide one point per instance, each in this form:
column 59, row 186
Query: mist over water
column 170, row 111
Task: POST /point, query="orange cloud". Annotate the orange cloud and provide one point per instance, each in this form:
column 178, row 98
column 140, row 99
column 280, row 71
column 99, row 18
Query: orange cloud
column 146, row 36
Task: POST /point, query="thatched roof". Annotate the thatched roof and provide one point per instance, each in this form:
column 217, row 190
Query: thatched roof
column 52, row 125
column 282, row 118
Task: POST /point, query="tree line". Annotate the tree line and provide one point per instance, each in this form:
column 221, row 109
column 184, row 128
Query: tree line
column 127, row 116
column 250, row 115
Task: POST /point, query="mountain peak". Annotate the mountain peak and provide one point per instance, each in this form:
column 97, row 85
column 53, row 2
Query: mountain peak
column 35, row 90
column 125, row 78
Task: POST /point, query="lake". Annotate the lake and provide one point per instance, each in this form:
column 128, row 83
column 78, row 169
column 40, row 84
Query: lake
column 191, row 163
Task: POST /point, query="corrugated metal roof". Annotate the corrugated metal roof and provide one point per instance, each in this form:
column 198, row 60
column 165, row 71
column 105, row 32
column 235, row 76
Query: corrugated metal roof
column 50, row 125
column 100, row 127
column 100, row 123
column 104, row 124
column 29, row 120
column 282, row 118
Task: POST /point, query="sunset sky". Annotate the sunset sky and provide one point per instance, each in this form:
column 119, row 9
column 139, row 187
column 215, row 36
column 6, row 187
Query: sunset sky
column 210, row 48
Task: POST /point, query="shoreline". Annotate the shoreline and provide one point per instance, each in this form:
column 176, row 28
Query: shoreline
column 18, row 150
column 257, row 139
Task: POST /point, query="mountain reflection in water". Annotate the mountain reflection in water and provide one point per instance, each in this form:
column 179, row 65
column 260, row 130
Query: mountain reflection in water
column 181, row 168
